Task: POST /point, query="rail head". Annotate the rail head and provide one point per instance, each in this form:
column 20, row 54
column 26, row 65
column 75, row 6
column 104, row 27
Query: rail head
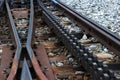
column 19, row 46
column 109, row 39
column 1, row 5
column 89, row 61
column 30, row 30
column 17, row 39
column 33, row 59
column 25, row 75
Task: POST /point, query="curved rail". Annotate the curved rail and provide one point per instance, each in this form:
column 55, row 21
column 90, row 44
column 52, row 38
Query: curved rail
column 35, row 64
column 37, row 69
column 89, row 62
column 19, row 47
column 109, row 39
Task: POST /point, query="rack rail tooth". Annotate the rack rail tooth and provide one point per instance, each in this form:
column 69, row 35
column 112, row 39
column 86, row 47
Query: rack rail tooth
column 89, row 61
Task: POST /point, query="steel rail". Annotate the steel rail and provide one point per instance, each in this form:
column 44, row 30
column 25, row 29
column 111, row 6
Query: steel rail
column 19, row 47
column 14, row 68
column 90, row 63
column 35, row 64
column 25, row 75
column 105, row 36
column 1, row 5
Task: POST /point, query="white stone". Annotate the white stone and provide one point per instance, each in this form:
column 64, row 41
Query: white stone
column 71, row 59
column 92, row 47
column 51, row 54
column 1, row 51
column 79, row 72
column 104, row 56
column 84, row 37
column 59, row 64
column 105, row 50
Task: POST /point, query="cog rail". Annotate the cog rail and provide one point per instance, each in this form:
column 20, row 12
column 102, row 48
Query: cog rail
column 90, row 62
column 109, row 39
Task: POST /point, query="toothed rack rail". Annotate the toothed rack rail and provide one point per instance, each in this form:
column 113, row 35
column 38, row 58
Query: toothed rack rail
column 19, row 60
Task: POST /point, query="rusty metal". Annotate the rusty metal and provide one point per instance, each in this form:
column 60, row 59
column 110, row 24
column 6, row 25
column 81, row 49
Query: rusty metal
column 38, row 70
column 20, row 12
column 36, row 66
column 18, row 50
column 65, row 71
column 16, row 59
column 6, row 59
column 13, row 70
column 88, row 60
column 44, row 62
column 38, row 60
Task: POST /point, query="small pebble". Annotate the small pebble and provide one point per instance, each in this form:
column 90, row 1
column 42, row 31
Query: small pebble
column 104, row 56
column 79, row 72
column 92, row 47
column 59, row 64
column 71, row 59
column 51, row 54
column 84, row 37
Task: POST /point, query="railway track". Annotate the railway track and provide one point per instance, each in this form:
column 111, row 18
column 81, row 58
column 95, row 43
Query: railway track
column 20, row 53
column 48, row 10
column 1, row 4
column 61, row 61
column 105, row 36
column 45, row 48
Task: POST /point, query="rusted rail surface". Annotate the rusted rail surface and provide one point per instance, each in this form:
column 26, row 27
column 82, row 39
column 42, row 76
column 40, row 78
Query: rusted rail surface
column 28, row 46
column 34, row 58
column 19, row 47
column 18, row 53
column 43, row 58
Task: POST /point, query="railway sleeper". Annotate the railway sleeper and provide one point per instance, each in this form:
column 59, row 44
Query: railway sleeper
column 50, row 19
